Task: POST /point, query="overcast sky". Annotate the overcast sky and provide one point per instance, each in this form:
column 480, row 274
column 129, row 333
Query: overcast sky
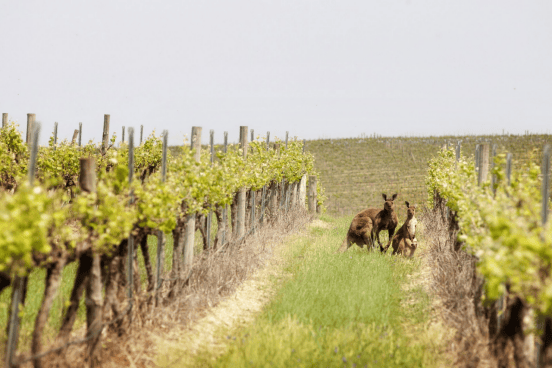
column 318, row 69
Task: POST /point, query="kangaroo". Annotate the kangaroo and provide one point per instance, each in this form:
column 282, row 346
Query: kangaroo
column 405, row 239
column 359, row 232
column 367, row 225
column 385, row 219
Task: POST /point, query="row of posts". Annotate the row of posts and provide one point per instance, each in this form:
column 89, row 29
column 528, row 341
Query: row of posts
column 77, row 134
column 482, row 170
column 87, row 181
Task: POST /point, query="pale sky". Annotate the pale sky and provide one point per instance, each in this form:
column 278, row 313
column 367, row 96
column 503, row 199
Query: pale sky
column 318, row 69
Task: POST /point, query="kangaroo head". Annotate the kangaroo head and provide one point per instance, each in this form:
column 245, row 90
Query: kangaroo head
column 410, row 210
column 388, row 204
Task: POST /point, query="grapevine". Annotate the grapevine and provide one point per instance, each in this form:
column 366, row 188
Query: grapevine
column 503, row 229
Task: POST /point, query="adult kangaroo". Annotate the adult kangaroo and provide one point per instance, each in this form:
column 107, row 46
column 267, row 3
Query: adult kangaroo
column 359, row 232
column 405, row 238
column 384, row 219
column 367, row 225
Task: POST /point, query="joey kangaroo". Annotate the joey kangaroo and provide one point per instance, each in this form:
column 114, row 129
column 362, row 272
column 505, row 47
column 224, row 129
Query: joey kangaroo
column 405, row 239
column 367, row 225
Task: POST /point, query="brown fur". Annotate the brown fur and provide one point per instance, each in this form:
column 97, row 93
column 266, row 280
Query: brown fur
column 359, row 232
column 367, row 225
column 405, row 239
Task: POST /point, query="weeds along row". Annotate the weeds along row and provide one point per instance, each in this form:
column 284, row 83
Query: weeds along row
column 501, row 220
column 79, row 212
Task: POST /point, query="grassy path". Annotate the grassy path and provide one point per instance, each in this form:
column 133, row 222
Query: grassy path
column 354, row 309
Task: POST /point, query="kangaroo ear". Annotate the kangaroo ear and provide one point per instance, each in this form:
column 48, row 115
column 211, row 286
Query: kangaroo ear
column 384, row 196
column 394, row 196
column 407, row 204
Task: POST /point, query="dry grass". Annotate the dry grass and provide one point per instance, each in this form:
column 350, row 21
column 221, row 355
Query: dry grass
column 214, row 278
column 457, row 292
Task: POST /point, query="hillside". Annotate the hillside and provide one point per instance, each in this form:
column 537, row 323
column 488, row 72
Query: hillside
column 355, row 171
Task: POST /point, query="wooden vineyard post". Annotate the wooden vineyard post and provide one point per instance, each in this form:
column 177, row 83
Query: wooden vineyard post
column 240, row 223
column 312, row 194
column 141, row 133
column 34, row 150
column 303, row 184
column 289, row 187
column 93, row 301
column 160, row 235
column 252, row 195
column 509, row 168
column 483, row 163
column 545, row 171
column 294, row 195
column 30, row 124
column 87, row 176
column 287, row 135
column 123, row 135
column 476, row 158
column 277, row 188
column 20, row 283
column 458, row 146
column 75, row 135
column 4, row 119
column 80, row 134
column 210, row 215
column 225, row 208
column 130, row 237
column 263, row 195
column 189, row 237
column 545, row 183
column 252, row 211
column 493, row 176
column 55, row 132
column 303, row 191
column 105, row 133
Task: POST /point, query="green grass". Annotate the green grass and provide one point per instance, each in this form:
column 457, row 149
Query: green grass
column 35, row 294
column 337, row 310
column 36, row 286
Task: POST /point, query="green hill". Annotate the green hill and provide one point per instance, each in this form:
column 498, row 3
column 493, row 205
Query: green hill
column 355, row 171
